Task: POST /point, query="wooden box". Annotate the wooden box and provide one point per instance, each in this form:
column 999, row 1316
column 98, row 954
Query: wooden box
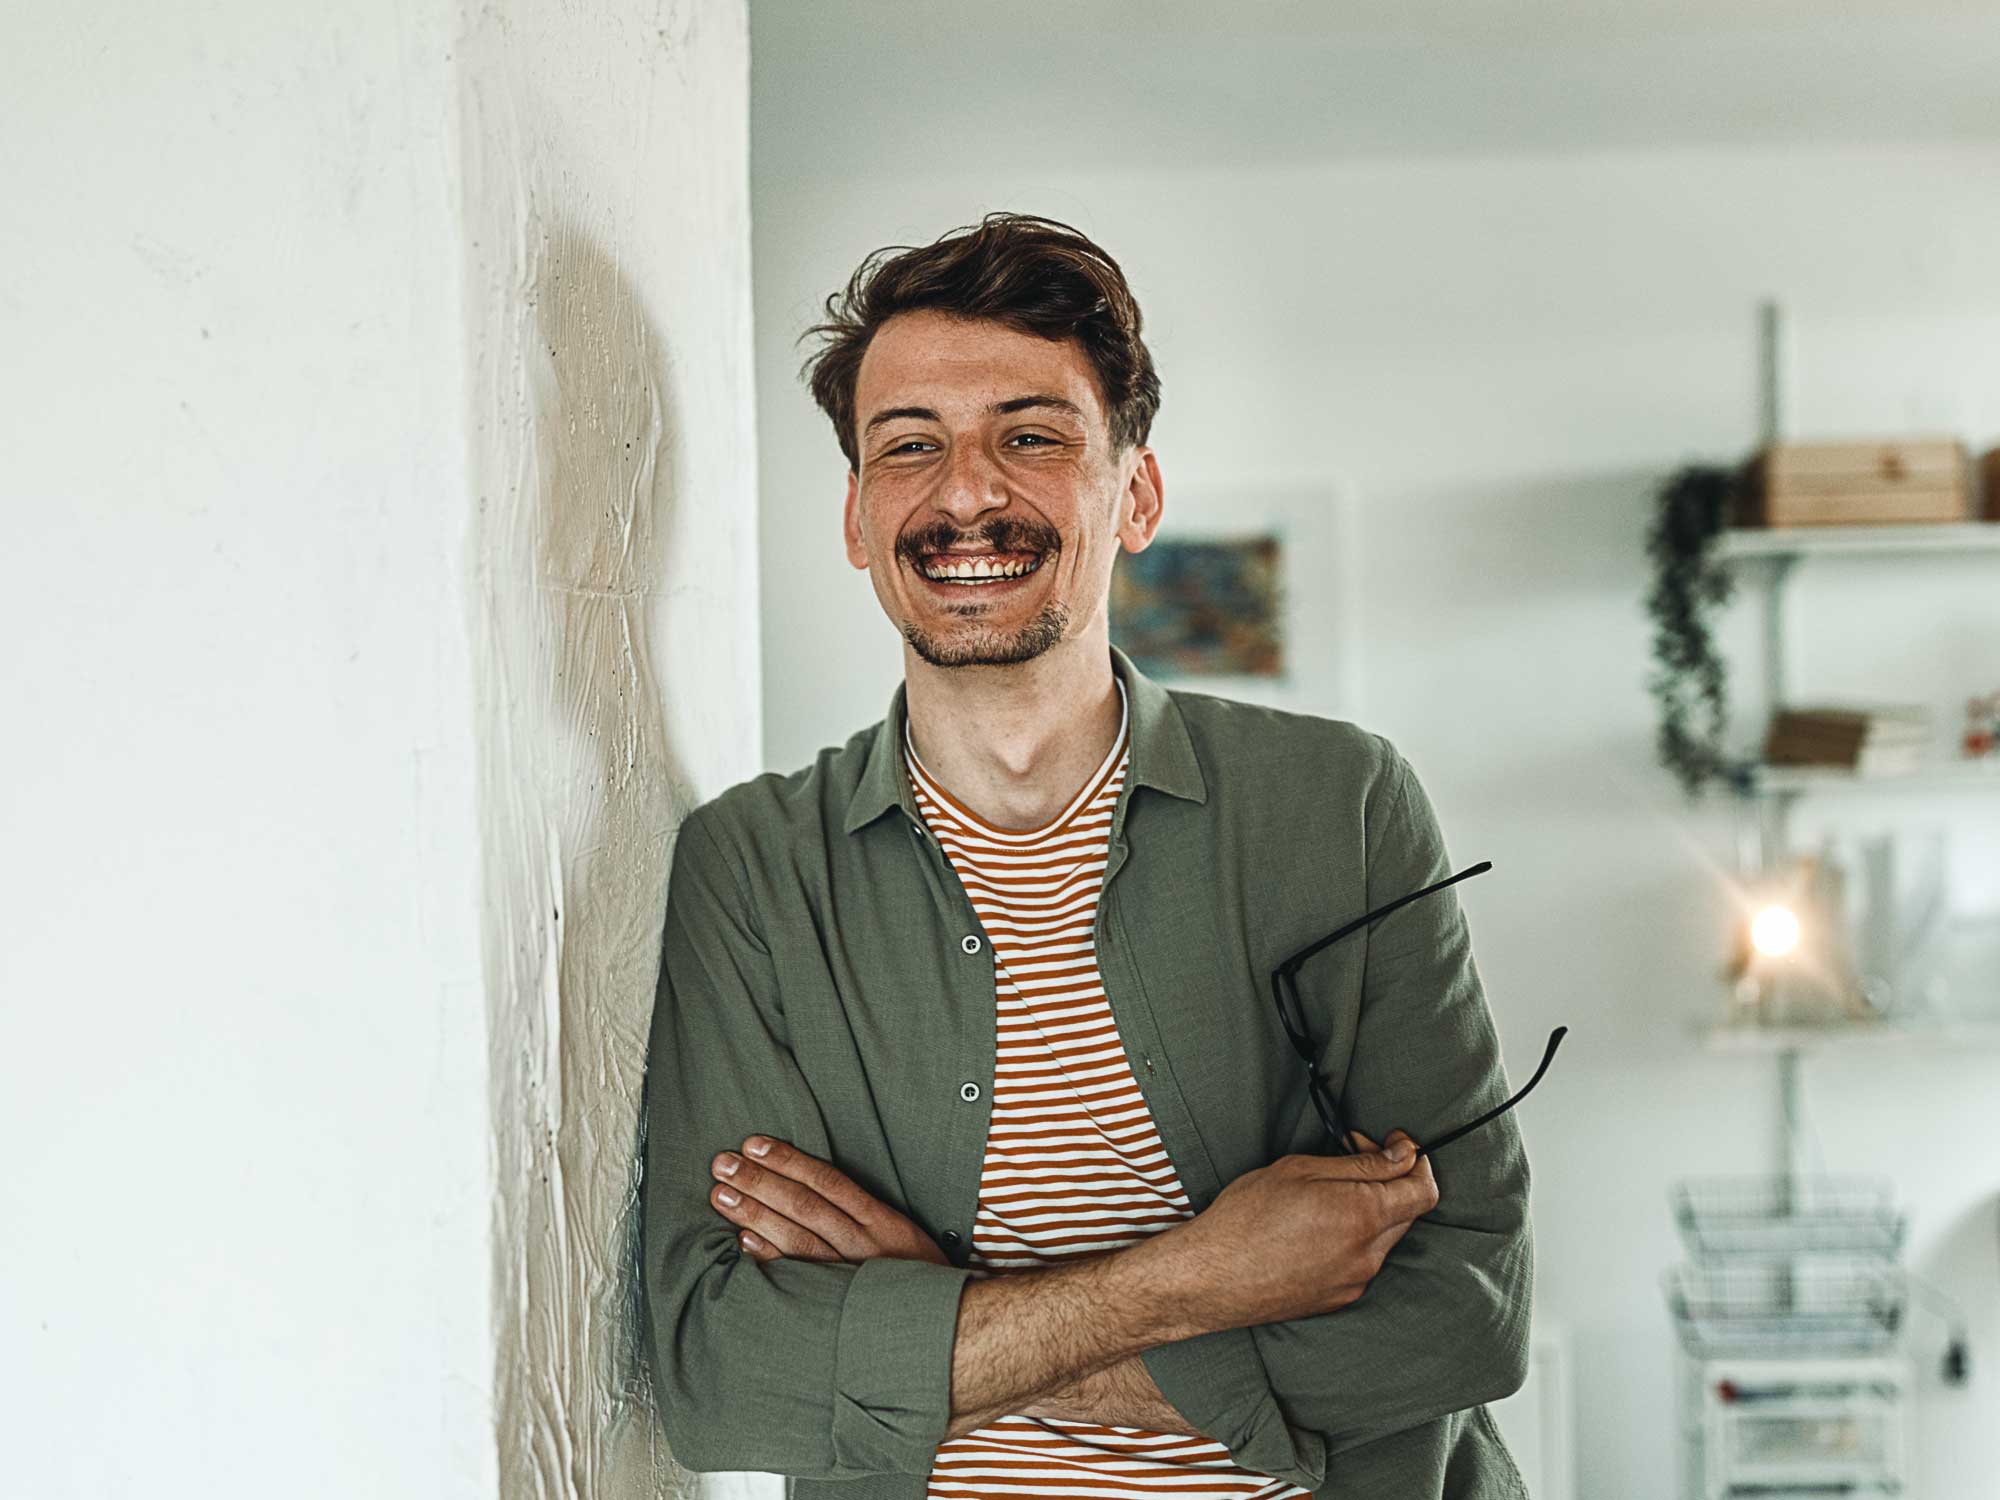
column 1894, row 482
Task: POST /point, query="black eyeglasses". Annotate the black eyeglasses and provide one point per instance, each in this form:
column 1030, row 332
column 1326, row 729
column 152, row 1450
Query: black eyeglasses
column 1284, row 987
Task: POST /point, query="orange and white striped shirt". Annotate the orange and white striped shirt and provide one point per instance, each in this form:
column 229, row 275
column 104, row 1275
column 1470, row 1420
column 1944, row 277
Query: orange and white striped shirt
column 1073, row 1163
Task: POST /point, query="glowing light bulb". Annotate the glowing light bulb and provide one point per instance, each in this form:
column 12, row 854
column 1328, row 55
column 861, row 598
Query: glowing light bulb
column 1775, row 931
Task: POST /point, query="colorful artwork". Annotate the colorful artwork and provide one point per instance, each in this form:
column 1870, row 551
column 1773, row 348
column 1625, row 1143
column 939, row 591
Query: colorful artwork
column 1187, row 608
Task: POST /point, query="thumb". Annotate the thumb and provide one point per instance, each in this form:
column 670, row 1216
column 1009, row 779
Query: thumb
column 1377, row 1163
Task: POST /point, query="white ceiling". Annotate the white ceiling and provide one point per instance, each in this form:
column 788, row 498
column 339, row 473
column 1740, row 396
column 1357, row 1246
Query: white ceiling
column 889, row 85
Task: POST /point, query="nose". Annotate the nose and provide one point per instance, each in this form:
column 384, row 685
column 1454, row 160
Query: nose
column 970, row 484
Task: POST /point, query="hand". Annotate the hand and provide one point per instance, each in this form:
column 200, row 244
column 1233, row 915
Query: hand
column 1302, row 1236
column 791, row 1203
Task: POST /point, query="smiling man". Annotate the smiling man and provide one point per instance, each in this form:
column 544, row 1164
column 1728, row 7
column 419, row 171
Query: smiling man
column 979, row 1159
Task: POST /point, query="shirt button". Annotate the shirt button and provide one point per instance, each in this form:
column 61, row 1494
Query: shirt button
column 968, row 1091
column 969, row 943
column 951, row 1236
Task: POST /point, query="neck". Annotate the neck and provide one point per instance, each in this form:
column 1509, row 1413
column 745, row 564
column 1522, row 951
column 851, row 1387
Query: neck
column 1015, row 744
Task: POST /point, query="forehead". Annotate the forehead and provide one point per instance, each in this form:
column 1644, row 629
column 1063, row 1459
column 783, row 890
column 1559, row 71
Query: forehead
column 959, row 366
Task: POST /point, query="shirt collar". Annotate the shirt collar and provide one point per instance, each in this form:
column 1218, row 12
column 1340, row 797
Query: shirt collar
column 1162, row 750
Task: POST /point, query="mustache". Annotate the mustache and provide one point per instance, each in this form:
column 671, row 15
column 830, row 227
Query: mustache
column 1000, row 534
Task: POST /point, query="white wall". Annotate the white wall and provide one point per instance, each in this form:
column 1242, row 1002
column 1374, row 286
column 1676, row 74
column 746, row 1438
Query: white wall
column 615, row 642
column 278, row 837
column 1459, row 380
column 246, row 1192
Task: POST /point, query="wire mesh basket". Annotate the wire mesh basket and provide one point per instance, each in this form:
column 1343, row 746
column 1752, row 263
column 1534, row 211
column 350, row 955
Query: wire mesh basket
column 1807, row 1215
column 1835, row 1304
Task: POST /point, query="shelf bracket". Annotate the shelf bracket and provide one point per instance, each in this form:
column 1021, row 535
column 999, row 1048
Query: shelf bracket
column 1777, row 670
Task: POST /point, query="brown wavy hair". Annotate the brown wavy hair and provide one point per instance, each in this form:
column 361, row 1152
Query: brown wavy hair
column 1038, row 275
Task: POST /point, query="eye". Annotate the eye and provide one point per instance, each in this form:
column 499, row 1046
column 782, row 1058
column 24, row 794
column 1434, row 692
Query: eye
column 909, row 443
column 1033, row 437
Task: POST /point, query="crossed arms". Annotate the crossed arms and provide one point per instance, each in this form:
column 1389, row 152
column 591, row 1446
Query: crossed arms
column 1063, row 1341
column 833, row 1369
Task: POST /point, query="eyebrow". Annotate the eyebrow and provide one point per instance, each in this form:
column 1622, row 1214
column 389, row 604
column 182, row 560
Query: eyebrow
column 1040, row 400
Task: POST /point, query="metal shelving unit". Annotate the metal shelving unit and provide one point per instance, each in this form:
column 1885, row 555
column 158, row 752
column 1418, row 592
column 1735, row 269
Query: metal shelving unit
column 1788, row 1310
column 1767, row 793
column 1789, row 1307
column 1787, row 1313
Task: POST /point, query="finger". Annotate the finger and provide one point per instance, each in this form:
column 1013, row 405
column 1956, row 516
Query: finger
column 1366, row 1144
column 823, row 1177
column 794, row 1201
column 756, row 1248
column 1413, row 1194
column 780, row 1234
column 1367, row 1166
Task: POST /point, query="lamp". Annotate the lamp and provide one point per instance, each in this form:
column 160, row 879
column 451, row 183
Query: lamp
column 1791, row 959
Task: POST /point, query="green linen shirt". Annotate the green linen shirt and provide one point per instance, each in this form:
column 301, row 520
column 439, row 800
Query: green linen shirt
column 824, row 980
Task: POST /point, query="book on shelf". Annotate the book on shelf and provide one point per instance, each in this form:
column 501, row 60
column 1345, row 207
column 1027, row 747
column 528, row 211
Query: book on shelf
column 1863, row 738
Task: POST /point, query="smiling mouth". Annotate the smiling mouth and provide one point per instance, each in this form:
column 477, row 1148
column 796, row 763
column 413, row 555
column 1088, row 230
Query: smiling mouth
column 979, row 569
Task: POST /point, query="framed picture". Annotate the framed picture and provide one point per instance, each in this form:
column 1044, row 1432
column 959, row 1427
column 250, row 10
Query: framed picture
column 1201, row 606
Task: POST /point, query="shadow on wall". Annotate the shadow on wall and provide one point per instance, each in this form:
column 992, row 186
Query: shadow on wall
column 581, row 788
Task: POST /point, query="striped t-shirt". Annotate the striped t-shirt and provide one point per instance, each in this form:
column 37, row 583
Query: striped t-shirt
column 1073, row 1165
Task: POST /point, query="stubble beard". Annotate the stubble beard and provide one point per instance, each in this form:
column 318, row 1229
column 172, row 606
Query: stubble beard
column 994, row 648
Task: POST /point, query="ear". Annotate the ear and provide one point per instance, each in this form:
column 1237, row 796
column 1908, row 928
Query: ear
column 857, row 554
column 1145, row 497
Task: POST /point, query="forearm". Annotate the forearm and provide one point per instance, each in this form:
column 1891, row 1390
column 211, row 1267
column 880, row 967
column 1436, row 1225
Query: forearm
column 1024, row 1336
column 1120, row 1395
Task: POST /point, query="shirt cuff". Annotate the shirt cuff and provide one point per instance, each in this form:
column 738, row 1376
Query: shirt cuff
column 1218, row 1382
column 892, row 1364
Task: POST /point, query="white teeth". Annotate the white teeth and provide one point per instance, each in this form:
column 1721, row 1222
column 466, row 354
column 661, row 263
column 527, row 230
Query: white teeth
column 972, row 569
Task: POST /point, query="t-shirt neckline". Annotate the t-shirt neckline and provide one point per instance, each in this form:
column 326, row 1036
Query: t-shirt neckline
column 1093, row 784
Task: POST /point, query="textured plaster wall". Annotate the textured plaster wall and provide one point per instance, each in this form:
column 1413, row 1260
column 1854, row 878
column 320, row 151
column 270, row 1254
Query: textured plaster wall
column 614, row 638
column 375, row 594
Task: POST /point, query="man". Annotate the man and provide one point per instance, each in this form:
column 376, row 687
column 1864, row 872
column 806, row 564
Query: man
column 979, row 1161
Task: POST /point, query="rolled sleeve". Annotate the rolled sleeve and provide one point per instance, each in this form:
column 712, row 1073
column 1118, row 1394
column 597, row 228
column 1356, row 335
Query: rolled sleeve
column 1444, row 1326
column 892, row 1365
column 1219, row 1383
column 813, row 1369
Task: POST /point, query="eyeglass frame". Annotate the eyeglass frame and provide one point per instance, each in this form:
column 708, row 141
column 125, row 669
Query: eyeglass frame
column 1285, row 977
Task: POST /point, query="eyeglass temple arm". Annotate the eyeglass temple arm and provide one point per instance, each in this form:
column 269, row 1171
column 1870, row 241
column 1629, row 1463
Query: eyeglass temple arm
column 1291, row 965
column 1549, row 1056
